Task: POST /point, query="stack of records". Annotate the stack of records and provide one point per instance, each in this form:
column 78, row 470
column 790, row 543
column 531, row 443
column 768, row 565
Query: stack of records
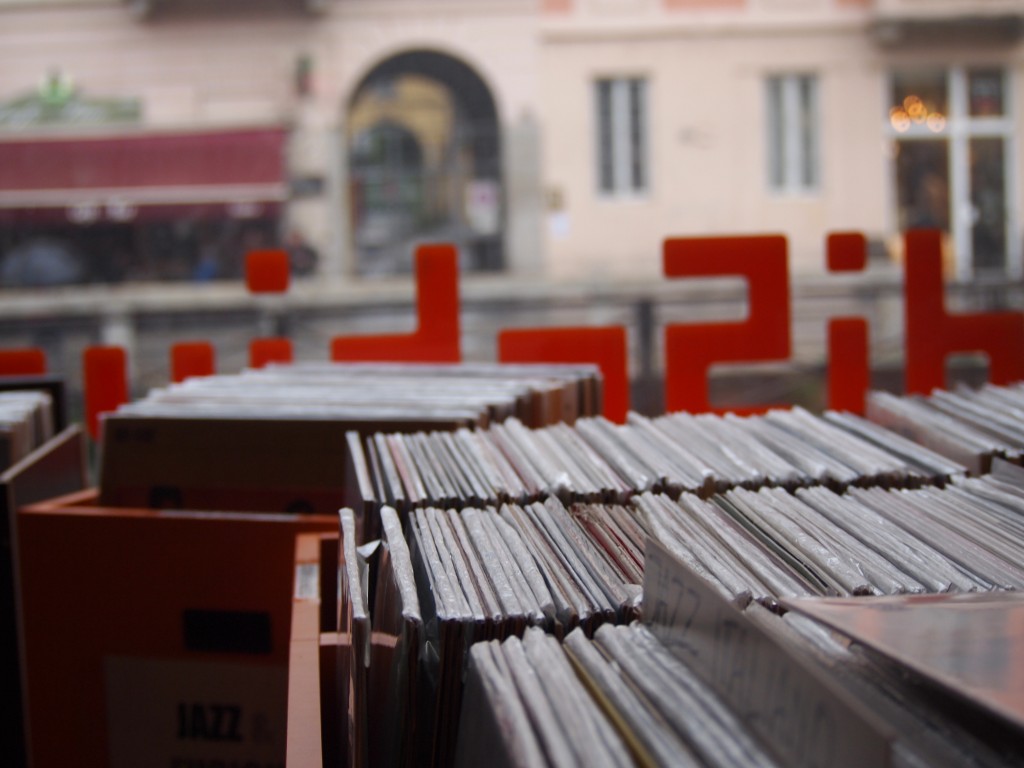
column 770, row 545
column 549, row 570
column 402, row 736
column 705, row 683
column 620, row 699
column 377, row 393
column 243, row 442
column 940, row 671
column 26, row 422
column 413, row 611
column 596, row 461
column 489, row 574
column 968, row 426
column 383, row 669
column 354, row 621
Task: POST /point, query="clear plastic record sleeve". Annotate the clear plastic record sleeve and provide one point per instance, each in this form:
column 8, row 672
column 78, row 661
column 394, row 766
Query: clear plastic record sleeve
column 611, row 541
column 592, row 737
column 355, row 622
column 920, row 461
column 570, row 606
column 362, row 496
column 1004, row 425
column 402, row 461
column 563, row 725
column 449, row 624
column 396, row 728
column 600, row 597
column 909, row 511
column 935, row 431
column 636, row 718
column 969, row 645
column 495, row 725
column 428, row 486
column 930, row 730
column 392, row 480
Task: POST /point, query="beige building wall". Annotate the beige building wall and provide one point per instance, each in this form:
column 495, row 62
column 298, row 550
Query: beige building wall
column 705, row 63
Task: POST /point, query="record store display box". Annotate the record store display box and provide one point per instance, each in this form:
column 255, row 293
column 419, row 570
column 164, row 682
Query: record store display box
column 156, row 637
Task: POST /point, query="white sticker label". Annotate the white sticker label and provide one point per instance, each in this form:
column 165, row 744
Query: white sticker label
column 186, row 714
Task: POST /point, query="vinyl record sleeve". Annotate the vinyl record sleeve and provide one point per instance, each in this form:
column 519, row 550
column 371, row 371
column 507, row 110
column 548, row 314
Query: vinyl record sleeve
column 972, row 645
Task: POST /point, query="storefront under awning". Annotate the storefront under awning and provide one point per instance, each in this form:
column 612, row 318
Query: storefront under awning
column 142, row 176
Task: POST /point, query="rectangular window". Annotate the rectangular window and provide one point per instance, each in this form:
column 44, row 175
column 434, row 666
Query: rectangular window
column 622, row 135
column 793, row 133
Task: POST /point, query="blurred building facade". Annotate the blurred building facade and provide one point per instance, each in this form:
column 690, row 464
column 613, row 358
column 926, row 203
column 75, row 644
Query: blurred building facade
column 154, row 139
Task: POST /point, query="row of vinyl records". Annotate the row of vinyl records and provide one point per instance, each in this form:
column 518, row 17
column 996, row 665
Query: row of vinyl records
column 595, row 460
column 511, row 527
column 242, row 442
column 26, row 422
column 448, row 580
column 483, row 434
column 623, row 697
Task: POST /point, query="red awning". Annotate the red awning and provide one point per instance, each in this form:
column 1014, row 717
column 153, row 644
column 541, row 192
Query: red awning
column 115, row 177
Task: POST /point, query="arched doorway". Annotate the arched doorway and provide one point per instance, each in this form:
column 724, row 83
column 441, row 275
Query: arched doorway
column 423, row 154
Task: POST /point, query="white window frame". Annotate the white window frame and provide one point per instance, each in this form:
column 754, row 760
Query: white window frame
column 784, row 140
column 624, row 149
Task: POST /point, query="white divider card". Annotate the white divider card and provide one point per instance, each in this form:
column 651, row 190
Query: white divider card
column 807, row 720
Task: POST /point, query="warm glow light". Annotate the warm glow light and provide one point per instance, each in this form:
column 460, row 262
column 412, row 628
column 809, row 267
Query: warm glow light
column 910, row 101
column 918, row 112
column 936, row 122
column 899, row 120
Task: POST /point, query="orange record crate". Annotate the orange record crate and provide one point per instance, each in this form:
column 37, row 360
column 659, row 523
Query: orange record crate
column 156, row 637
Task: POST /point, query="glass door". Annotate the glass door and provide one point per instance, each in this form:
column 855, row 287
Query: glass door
column 988, row 204
column 952, row 135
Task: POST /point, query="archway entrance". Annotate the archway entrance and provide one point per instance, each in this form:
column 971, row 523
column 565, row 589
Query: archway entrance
column 424, row 164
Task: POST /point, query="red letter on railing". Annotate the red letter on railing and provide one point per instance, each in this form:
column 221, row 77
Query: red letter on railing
column 604, row 346
column 266, row 271
column 105, row 383
column 932, row 334
column 848, row 365
column 690, row 350
column 269, row 350
column 191, row 358
column 436, row 338
column 29, row 361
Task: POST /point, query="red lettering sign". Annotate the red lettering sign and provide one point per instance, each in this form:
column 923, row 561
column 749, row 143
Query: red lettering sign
column 267, row 271
column 29, row 361
column 437, row 336
column 932, row 334
column 264, row 351
column 105, row 383
column 691, row 349
column 191, row 358
column 849, row 374
column 606, row 347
